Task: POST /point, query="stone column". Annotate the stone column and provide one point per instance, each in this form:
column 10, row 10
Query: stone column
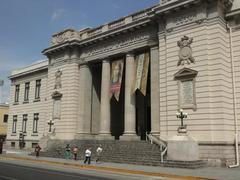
column 155, row 121
column 105, row 100
column 129, row 107
column 85, row 90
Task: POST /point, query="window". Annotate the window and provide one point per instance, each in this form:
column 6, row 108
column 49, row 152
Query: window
column 5, row 118
column 35, row 122
column 37, row 90
column 26, row 92
column 24, row 123
column 17, row 89
column 34, row 145
column 12, row 144
column 14, row 126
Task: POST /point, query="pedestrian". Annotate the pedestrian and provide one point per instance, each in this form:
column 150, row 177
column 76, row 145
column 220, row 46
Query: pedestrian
column 99, row 153
column 37, row 150
column 67, row 152
column 75, row 151
column 88, row 154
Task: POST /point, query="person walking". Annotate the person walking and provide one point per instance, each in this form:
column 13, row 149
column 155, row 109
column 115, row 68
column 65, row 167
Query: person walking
column 88, row 154
column 37, row 150
column 67, row 152
column 75, row 151
column 99, row 153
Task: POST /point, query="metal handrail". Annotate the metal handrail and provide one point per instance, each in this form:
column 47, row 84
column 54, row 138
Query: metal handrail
column 161, row 143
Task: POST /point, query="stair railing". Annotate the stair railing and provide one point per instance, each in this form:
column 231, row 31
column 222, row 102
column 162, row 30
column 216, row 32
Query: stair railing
column 161, row 143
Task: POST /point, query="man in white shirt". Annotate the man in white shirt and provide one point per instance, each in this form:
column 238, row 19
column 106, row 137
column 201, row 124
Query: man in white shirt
column 88, row 154
column 99, row 152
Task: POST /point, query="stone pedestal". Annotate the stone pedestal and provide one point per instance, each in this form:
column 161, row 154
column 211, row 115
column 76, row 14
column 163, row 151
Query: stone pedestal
column 182, row 148
column 130, row 137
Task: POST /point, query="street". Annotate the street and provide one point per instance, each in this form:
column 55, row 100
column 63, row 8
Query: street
column 17, row 172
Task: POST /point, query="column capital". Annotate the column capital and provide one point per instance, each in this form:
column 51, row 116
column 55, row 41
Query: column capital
column 107, row 60
column 154, row 47
column 130, row 54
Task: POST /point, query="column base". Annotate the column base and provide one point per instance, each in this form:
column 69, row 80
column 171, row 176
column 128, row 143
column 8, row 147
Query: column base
column 130, row 137
column 105, row 136
column 84, row 136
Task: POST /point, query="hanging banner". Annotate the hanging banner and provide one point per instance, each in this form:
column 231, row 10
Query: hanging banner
column 145, row 74
column 116, row 78
column 139, row 69
column 142, row 64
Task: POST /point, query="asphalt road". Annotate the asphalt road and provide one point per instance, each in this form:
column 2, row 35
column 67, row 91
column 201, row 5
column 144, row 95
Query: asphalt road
column 10, row 171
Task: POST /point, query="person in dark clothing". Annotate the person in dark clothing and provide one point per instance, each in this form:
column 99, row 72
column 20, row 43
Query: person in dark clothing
column 37, row 150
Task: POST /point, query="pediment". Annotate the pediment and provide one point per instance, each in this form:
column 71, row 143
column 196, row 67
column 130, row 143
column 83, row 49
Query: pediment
column 185, row 73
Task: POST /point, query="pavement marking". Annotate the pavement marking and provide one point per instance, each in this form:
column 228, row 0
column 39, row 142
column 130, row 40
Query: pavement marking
column 111, row 169
column 7, row 177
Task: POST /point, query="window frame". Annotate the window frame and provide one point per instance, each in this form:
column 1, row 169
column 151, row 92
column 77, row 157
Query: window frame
column 24, row 123
column 35, row 122
column 26, row 91
column 37, row 89
column 14, row 125
column 17, row 91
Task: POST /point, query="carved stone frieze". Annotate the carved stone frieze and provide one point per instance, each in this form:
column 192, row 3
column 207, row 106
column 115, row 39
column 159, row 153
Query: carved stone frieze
column 65, row 35
column 197, row 14
column 185, row 52
column 119, row 43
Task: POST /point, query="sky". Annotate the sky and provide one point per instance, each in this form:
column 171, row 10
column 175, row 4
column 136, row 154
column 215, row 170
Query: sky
column 26, row 26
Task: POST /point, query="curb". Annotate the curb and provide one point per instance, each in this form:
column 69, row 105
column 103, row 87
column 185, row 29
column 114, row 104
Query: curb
column 106, row 168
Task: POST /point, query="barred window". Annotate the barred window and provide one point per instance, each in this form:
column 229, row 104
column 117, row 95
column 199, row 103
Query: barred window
column 35, row 122
column 26, row 92
column 14, row 125
column 17, row 89
column 37, row 89
column 24, row 123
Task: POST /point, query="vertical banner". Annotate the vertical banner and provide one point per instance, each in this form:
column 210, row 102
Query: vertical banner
column 142, row 64
column 145, row 74
column 116, row 77
column 139, row 70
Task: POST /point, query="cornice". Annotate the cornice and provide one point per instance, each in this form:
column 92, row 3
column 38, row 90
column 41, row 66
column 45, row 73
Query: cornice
column 126, row 24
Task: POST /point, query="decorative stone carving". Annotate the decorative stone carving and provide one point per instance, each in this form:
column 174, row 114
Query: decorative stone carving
column 185, row 52
column 65, row 35
column 56, row 95
column 58, row 75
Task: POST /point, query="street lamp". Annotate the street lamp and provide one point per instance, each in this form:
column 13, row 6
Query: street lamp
column 181, row 115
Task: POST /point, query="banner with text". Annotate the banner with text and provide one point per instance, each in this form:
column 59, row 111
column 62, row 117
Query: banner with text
column 116, row 77
column 142, row 64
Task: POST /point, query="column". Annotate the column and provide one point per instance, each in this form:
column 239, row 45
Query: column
column 85, row 90
column 129, row 106
column 105, row 100
column 155, row 120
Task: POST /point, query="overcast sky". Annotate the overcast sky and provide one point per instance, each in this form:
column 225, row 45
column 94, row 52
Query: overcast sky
column 26, row 26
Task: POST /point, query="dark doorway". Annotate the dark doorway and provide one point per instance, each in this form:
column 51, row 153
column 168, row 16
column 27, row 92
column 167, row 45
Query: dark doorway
column 143, row 110
column 96, row 71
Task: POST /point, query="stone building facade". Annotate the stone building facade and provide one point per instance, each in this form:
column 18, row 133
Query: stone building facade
column 186, row 50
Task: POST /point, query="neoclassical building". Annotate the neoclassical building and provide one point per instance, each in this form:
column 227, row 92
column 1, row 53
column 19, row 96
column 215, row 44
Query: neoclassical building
column 129, row 77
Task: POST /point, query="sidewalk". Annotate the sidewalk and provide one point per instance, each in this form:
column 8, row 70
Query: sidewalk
column 153, row 171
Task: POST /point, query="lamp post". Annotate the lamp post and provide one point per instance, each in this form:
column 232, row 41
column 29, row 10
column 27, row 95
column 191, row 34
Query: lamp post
column 181, row 115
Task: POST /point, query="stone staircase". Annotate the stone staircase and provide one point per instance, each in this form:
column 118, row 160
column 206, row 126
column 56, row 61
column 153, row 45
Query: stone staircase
column 130, row 152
